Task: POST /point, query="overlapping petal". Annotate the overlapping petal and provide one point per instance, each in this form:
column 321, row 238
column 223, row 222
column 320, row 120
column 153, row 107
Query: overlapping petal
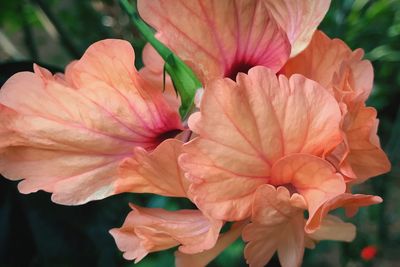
column 245, row 127
column 299, row 19
column 147, row 230
column 218, row 38
column 349, row 201
column 277, row 225
column 314, row 178
column 67, row 134
column 331, row 63
column 365, row 157
column 332, row 228
column 154, row 172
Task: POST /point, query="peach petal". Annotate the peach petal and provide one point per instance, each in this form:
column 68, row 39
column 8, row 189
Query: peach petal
column 154, row 172
column 276, row 225
column 366, row 158
column 205, row 257
column 333, row 228
column 68, row 134
column 218, row 38
column 349, row 201
column 245, row 127
column 314, row 178
column 299, row 19
column 147, row 230
column 331, row 63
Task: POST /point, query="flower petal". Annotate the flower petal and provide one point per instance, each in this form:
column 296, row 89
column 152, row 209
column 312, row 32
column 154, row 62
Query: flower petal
column 245, row 127
column 349, row 201
column 69, row 138
column 147, row 230
column 203, row 258
column 314, row 178
column 218, row 38
column 331, row 63
column 154, row 172
column 366, row 158
column 276, row 226
column 333, row 228
column 299, row 19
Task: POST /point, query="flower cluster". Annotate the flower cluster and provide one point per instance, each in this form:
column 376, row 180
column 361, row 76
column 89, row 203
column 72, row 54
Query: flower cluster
column 281, row 130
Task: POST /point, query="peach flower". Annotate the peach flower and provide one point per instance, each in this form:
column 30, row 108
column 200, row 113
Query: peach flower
column 147, row 230
column 221, row 38
column 67, row 134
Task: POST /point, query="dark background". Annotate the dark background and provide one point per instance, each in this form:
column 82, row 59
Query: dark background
column 36, row 232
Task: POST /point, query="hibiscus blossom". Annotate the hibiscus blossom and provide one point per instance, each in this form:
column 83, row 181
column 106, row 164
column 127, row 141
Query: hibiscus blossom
column 69, row 133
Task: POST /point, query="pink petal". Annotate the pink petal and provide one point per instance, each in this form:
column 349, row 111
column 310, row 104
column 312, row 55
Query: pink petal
column 314, row 178
column 245, row 127
column 299, row 19
column 147, row 230
column 205, row 257
column 154, row 172
column 276, row 225
column 69, row 138
column 218, row 38
column 349, row 201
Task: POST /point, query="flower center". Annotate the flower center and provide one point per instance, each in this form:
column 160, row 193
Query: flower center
column 236, row 67
column 166, row 135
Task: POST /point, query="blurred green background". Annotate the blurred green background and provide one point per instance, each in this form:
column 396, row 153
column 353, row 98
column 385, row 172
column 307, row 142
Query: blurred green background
column 36, row 232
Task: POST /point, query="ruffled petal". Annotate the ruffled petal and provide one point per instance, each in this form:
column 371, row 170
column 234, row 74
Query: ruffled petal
column 245, row 127
column 331, row 63
column 276, row 225
column 205, row 257
column 349, row 201
column 299, row 19
column 366, row 157
column 218, row 38
column 67, row 135
column 314, row 178
column 154, row 172
column 147, row 230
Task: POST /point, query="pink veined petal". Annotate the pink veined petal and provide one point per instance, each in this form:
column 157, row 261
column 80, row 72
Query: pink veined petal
column 349, row 201
column 70, row 138
column 314, row 178
column 333, row 228
column 218, row 38
column 245, row 127
column 299, row 19
column 366, row 158
column 331, row 63
column 205, row 257
column 147, row 230
column 154, row 172
column 276, row 225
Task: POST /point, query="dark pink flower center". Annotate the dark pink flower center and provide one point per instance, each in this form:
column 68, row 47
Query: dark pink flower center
column 238, row 66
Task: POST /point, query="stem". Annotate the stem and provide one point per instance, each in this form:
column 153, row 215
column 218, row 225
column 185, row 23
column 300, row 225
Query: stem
column 145, row 30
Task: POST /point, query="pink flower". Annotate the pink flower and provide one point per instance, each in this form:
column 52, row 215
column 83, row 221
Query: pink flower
column 67, row 134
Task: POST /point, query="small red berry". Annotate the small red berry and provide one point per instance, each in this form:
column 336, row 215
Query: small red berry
column 368, row 253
